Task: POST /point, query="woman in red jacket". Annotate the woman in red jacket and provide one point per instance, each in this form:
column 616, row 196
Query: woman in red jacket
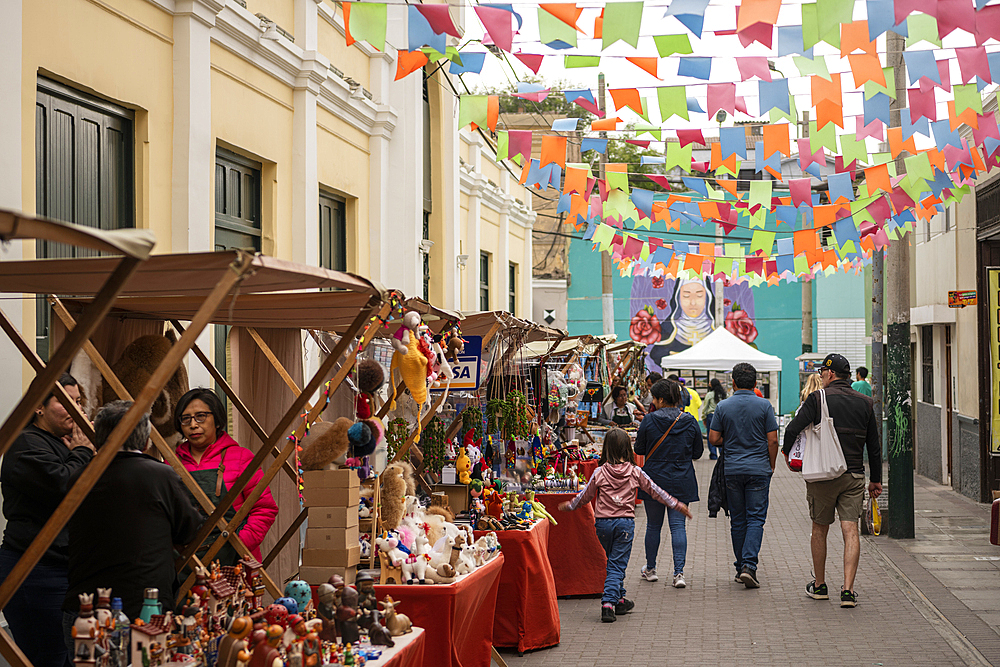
column 215, row 460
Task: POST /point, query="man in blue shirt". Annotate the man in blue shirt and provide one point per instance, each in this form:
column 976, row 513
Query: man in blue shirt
column 745, row 428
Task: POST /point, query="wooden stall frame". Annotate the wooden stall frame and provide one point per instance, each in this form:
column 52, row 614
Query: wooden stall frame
column 94, row 314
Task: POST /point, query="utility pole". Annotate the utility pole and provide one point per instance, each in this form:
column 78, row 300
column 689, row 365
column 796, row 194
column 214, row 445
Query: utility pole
column 807, row 285
column 878, row 333
column 898, row 400
column 607, row 289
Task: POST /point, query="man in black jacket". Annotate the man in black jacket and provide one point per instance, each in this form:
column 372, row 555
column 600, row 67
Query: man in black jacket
column 123, row 534
column 854, row 421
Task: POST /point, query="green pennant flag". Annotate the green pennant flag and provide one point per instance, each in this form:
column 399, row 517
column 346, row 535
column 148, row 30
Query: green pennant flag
column 810, row 25
column 473, row 109
column 919, row 166
column 967, row 97
column 829, row 15
column 871, row 88
column 724, row 265
column 808, row 66
column 503, row 143
column 776, row 114
column 616, row 179
column 603, row 235
column 621, row 22
column 826, row 137
column 366, row 21
column 678, row 156
column 852, row 149
column 801, row 265
column 571, row 62
column 673, row 102
column 761, row 240
column 922, row 27
column 667, row 45
column 760, row 193
column 551, row 29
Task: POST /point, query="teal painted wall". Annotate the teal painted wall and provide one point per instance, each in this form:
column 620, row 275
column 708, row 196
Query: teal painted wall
column 839, row 295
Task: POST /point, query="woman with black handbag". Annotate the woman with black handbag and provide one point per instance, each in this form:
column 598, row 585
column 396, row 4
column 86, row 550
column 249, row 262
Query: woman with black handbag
column 670, row 439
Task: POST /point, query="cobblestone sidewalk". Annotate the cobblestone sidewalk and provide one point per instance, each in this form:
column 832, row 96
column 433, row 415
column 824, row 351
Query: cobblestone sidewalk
column 717, row 622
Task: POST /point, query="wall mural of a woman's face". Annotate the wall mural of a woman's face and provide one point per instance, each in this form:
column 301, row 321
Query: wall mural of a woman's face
column 692, row 299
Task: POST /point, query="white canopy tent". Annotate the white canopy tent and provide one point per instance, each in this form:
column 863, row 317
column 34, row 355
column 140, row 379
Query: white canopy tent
column 720, row 351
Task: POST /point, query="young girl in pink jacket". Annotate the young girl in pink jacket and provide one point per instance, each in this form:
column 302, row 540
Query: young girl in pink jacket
column 614, row 485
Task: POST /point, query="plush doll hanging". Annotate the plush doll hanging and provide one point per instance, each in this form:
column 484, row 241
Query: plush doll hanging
column 370, row 380
column 412, row 365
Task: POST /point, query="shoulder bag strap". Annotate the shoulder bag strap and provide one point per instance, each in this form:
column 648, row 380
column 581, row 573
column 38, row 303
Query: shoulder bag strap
column 663, row 437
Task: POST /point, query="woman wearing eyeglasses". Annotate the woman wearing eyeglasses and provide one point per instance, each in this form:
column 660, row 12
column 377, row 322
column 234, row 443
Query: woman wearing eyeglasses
column 215, row 460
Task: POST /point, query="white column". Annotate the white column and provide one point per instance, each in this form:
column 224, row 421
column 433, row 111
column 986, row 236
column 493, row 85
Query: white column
column 473, row 224
column 11, row 100
column 305, row 162
column 503, row 247
column 451, row 202
column 525, row 287
column 193, row 160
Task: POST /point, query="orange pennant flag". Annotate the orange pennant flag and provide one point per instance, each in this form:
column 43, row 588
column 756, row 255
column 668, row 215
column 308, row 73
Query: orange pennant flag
column 673, row 266
column 776, row 140
column 408, row 62
column 826, row 90
column 968, row 117
column 627, row 97
column 854, row 36
column 824, row 216
column 553, row 150
column 577, row 207
column 492, row 112
column 729, row 184
column 977, row 159
column 757, row 11
column 936, row 158
column 866, row 67
column 717, row 161
column 707, row 249
column 708, row 209
column 829, row 112
column 647, row 64
column 877, row 178
column 567, row 13
column 896, row 143
column 814, row 254
column 604, row 124
column 804, row 240
column 524, row 171
column 576, row 180
column 693, row 262
column 599, row 26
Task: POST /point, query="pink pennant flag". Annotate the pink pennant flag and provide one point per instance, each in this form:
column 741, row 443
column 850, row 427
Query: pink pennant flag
column 643, row 143
column 879, row 210
column 921, row 104
column 801, row 190
column 900, row 200
column 690, row 137
column 589, row 106
column 741, row 104
column 660, row 180
column 721, row 96
column 633, row 247
column 987, row 24
column 439, row 19
column 906, row 7
column 519, row 143
column 972, row 62
column 881, row 239
column 874, row 129
column 944, row 73
column 497, row 24
column 806, row 158
column 755, row 66
column 987, row 128
column 531, row 61
column 953, row 14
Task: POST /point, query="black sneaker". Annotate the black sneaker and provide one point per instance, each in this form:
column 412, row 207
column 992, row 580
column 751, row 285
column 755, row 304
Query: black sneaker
column 749, row 577
column 848, row 599
column 736, row 579
column 624, row 606
column 817, row 592
column 607, row 614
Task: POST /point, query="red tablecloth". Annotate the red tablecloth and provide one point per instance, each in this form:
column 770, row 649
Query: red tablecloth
column 578, row 562
column 457, row 618
column 527, row 614
column 408, row 651
column 587, row 467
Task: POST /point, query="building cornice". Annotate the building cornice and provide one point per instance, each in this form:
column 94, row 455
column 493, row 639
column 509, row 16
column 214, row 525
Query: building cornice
column 337, row 22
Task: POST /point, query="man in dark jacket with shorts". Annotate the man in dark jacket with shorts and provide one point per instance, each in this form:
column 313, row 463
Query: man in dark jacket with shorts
column 854, row 421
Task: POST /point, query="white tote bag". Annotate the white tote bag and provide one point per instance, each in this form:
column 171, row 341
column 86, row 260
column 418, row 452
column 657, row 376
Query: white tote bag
column 823, row 459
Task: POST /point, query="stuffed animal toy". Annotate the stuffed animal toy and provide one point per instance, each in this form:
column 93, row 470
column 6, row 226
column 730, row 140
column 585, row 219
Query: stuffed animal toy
column 455, row 347
column 325, row 443
column 537, row 509
column 371, row 377
column 409, row 476
column 393, row 496
column 441, row 506
column 134, row 368
column 364, row 437
column 463, row 465
column 412, row 365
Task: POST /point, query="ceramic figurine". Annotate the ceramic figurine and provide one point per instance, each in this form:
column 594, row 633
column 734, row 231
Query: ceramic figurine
column 293, row 655
column 378, row 635
column 265, row 649
column 299, row 591
column 311, row 649
column 85, row 631
column 327, row 611
column 347, row 616
column 234, row 642
column 366, row 591
column 397, row 624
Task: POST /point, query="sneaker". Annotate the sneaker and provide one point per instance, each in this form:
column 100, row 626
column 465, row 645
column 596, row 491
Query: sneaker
column 817, row 592
column 736, row 579
column 679, row 580
column 624, row 606
column 649, row 575
column 848, row 599
column 749, row 577
column 607, row 613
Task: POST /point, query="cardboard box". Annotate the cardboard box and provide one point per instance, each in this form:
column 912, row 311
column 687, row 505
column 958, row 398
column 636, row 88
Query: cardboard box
column 332, row 497
column 343, row 478
column 332, row 557
column 331, row 538
column 458, row 496
column 321, row 575
column 333, row 517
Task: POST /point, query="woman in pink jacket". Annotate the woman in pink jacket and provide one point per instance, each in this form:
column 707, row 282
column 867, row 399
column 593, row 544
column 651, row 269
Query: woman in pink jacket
column 215, row 460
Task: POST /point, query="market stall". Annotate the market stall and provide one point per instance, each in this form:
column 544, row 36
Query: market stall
column 408, row 651
column 527, row 612
column 458, row 618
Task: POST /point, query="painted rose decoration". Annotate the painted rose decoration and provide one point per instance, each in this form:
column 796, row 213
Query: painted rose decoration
column 657, row 282
column 739, row 324
column 645, row 327
column 661, row 304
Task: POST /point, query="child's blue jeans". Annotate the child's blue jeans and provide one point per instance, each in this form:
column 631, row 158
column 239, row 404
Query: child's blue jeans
column 615, row 536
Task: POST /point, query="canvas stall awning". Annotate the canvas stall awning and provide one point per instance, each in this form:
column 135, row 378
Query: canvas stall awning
column 720, row 351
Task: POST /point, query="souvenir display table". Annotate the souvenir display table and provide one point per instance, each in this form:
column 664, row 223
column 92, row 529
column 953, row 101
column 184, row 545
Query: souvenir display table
column 408, row 651
column 527, row 611
column 457, row 618
column 577, row 559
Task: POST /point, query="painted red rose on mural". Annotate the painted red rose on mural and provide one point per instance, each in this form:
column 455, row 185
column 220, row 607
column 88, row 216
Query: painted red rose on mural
column 645, row 328
column 661, row 304
column 657, row 282
column 740, row 325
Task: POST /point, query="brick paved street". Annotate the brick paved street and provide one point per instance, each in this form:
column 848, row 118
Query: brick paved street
column 717, row 622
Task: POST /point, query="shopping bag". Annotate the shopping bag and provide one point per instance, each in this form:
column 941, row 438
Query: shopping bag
column 823, row 459
column 871, row 518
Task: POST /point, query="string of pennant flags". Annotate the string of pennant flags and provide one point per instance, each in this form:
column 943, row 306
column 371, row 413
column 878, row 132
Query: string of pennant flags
column 790, row 228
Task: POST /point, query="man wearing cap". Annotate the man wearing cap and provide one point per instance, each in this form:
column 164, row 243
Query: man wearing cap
column 854, row 421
